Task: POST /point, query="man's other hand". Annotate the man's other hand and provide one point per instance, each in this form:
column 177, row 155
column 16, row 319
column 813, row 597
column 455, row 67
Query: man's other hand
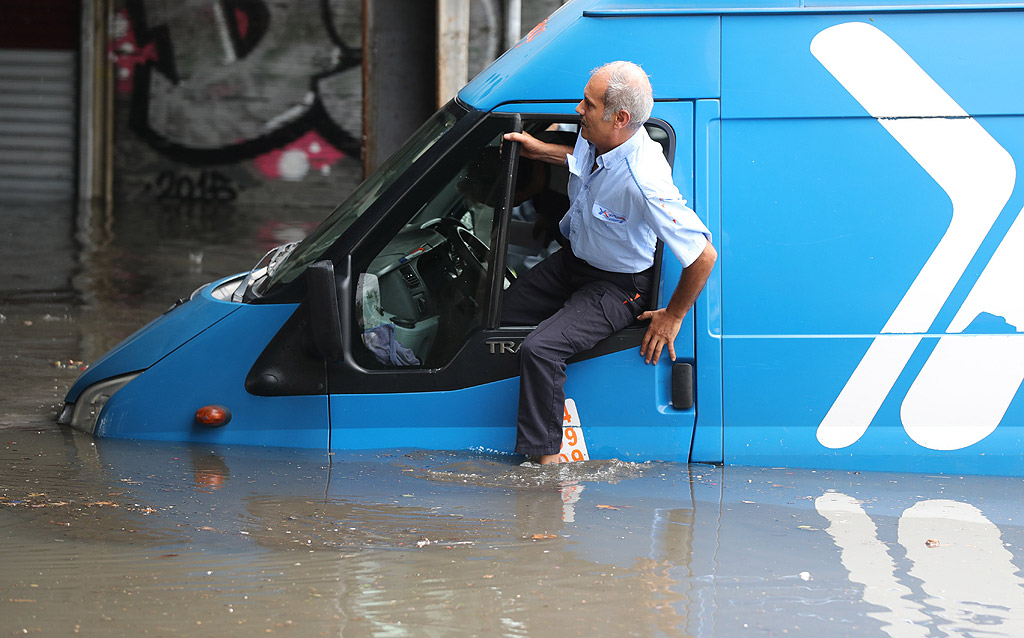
column 665, row 323
column 662, row 332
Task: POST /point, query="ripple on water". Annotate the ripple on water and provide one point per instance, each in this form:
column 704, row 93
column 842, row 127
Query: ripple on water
column 503, row 471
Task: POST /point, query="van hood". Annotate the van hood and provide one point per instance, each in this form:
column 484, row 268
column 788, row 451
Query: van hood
column 159, row 338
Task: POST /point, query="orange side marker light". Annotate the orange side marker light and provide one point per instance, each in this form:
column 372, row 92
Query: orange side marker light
column 213, row 415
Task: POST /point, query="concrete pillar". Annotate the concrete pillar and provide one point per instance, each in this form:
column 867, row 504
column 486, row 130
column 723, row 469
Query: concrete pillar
column 452, row 48
column 399, row 73
column 95, row 106
column 513, row 22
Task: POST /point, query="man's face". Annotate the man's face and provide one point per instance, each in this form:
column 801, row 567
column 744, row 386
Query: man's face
column 591, row 110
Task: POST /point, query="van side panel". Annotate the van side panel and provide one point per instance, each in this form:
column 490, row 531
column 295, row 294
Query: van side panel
column 872, row 317
column 767, row 70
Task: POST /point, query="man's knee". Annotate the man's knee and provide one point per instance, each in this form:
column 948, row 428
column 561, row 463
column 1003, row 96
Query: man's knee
column 542, row 345
column 532, row 347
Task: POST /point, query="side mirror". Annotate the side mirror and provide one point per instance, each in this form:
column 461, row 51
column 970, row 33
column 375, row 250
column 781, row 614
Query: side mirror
column 325, row 320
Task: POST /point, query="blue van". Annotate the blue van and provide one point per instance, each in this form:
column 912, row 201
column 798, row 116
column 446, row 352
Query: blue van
column 855, row 165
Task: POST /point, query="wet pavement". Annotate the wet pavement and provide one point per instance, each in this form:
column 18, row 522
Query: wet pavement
column 113, row 538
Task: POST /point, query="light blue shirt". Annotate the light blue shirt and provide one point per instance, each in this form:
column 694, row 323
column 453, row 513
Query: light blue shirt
column 619, row 210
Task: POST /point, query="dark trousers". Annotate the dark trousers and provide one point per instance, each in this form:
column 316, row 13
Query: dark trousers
column 574, row 305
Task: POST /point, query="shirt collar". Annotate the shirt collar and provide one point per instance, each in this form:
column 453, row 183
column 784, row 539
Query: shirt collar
column 619, row 154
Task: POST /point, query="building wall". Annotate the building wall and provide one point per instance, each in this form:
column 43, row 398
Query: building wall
column 244, row 103
column 235, row 102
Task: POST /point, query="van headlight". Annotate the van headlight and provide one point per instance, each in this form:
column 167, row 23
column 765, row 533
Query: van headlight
column 83, row 414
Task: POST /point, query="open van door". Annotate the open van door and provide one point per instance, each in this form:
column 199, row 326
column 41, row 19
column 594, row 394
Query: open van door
column 426, row 363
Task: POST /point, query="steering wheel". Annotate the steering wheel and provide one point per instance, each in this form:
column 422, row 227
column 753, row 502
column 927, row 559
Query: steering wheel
column 472, row 250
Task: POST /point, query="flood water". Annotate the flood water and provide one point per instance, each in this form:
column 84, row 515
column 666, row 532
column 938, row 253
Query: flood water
column 114, row 538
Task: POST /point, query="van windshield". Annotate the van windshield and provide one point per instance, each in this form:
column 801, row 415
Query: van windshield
column 314, row 245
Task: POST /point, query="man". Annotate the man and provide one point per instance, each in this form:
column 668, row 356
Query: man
column 623, row 200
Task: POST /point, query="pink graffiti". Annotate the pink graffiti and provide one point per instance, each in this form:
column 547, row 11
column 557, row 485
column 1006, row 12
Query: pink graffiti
column 311, row 152
column 242, row 20
column 125, row 53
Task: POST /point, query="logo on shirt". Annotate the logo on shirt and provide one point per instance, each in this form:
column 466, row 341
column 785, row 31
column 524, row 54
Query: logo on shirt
column 610, row 216
column 967, row 383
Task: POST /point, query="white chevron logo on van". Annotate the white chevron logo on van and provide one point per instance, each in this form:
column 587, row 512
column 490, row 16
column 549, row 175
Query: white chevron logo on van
column 968, row 381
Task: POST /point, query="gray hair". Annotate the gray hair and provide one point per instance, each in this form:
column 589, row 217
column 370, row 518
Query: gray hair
column 629, row 90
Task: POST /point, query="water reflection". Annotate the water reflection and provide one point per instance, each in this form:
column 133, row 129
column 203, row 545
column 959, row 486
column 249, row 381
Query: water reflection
column 209, row 470
column 165, row 536
column 955, row 553
column 106, row 537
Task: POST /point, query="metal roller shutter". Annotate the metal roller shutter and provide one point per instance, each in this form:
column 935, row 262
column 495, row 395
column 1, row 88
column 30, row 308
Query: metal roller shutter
column 38, row 99
column 37, row 124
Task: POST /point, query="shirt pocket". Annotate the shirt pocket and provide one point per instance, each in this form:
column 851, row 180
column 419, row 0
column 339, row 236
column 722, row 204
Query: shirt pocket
column 608, row 221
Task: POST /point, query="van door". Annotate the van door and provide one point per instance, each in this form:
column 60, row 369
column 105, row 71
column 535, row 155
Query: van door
column 427, row 364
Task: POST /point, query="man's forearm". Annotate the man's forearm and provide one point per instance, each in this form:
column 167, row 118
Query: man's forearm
column 691, row 282
column 532, row 148
column 554, row 153
column 665, row 323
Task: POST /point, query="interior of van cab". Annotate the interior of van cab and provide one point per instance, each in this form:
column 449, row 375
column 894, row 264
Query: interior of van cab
column 428, row 286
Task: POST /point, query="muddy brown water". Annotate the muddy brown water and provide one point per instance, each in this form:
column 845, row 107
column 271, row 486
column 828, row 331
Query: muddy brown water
column 115, row 538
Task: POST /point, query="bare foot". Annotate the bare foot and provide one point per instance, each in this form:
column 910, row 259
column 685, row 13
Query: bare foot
column 546, row 459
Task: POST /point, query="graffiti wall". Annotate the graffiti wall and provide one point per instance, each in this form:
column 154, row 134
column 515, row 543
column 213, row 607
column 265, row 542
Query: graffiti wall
column 249, row 103
column 236, row 102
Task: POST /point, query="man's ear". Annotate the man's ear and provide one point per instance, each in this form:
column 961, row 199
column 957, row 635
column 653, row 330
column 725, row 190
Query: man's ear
column 622, row 118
